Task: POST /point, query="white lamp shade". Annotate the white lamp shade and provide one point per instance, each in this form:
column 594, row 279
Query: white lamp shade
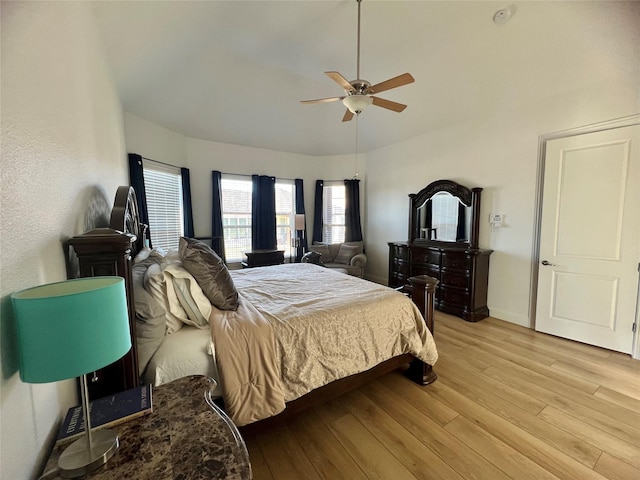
column 357, row 103
column 299, row 220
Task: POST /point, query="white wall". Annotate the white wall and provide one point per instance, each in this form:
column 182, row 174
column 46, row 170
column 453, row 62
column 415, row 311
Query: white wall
column 202, row 156
column 62, row 160
column 498, row 152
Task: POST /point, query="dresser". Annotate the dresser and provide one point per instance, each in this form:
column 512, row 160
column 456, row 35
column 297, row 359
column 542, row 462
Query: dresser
column 444, row 229
column 186, row 436
column 462, row 273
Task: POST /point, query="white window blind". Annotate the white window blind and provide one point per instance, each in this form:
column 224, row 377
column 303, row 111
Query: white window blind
column 333, row 217
column 163, row 188
column 236, row 216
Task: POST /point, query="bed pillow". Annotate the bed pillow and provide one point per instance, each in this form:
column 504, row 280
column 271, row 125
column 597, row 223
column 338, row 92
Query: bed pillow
column 190, row 295
column 210, row 272
column 323, row 250
column 150, row 317
column 359, row 245
column 142, row 255
column 164, row 293
column 346, row 253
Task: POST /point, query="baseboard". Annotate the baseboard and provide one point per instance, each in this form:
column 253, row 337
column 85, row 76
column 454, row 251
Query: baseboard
column 376, row 279
column 511, row 317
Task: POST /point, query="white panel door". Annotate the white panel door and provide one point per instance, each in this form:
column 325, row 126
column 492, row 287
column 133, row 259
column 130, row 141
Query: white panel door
column 590, row 238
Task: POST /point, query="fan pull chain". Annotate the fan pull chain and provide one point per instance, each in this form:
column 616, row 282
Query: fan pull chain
column 355, row 175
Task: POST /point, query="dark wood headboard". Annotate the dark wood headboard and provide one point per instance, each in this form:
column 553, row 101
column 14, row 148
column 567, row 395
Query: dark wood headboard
column 109, row 251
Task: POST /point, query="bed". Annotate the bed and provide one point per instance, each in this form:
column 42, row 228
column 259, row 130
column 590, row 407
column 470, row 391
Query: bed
column 296, row 335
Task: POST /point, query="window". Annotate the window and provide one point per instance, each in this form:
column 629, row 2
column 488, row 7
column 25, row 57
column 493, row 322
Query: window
column 236, row 215
column 285, row 214
column 445, row 211
column 333, row 218
column 163, row 186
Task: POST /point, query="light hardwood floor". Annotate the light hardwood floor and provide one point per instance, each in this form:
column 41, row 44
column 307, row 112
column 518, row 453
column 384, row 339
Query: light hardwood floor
column 509, row 403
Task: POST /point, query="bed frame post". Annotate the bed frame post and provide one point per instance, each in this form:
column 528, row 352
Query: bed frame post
column 422, row 289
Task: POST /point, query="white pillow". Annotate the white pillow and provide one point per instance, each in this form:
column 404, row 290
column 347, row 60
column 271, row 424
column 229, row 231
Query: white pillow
column 191, row 297
column 163, row 292
column 142, row 255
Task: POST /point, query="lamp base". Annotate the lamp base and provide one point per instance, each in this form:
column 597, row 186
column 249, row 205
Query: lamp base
column 77, row 460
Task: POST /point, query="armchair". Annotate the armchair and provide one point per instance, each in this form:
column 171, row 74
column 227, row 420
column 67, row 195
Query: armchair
column 348, row 256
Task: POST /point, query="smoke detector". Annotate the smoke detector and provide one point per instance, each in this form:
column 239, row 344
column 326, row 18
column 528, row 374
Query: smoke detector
column 503, row 15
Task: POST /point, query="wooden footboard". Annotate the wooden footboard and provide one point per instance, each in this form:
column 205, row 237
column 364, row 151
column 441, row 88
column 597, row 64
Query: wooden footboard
column 422, row 289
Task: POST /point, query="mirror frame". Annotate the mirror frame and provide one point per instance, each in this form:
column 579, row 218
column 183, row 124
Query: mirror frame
column 469, row 197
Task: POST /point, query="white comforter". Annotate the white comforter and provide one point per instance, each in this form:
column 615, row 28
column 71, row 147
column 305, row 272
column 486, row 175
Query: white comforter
column 316, row 325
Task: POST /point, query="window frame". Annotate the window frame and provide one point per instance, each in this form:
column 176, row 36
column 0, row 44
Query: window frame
column 333, row 232
column 164, row 204
column 285, row 217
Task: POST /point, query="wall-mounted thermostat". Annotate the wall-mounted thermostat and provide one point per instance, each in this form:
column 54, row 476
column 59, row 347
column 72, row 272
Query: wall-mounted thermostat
column 496, row 220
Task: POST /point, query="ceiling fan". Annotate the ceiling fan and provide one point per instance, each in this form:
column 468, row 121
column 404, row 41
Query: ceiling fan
column 358, row 93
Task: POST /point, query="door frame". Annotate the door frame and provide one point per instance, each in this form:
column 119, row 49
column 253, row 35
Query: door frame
column 537, row 217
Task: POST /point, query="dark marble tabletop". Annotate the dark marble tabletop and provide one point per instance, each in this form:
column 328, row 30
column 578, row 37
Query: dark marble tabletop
column 186, row 436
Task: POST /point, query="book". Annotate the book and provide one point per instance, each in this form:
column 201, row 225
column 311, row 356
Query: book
column 106, row 412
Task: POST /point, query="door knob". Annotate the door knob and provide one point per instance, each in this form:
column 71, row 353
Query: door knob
column 544, row 262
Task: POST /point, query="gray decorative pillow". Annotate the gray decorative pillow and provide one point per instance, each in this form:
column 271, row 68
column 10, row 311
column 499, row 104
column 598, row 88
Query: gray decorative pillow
column 345, row 253
column 312, row 257
column 210, row 272
column 323, row 250
column 150, row 317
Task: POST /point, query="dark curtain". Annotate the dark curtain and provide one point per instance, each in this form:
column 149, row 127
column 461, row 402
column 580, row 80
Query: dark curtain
column 462, row 222
column 353, row 228
column 299, row 184
column 187, row 213
column 263, row 213
column 136, row 179
column 217, row 231
column 317, row 212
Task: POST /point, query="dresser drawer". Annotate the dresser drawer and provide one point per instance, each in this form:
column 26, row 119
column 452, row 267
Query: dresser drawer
column 454, row 296
column 456, row 261
column 430, row 270
column 398, row 280
column 400, row 252
column 452, row 279
column 426, row 256
column 400, row 266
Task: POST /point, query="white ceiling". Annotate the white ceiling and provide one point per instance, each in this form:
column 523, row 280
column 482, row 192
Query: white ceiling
column 235, row 71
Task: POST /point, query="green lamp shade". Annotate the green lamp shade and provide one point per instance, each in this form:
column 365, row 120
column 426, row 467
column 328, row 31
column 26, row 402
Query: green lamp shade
column 71, row 328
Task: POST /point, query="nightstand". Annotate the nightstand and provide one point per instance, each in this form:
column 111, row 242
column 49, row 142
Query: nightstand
column 186, row 436
column 263, row 258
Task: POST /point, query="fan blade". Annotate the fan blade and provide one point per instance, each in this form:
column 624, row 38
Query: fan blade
column 340, row 80
column 322, row 100
column 388, row 104
column 395, row 82
column 347, row 116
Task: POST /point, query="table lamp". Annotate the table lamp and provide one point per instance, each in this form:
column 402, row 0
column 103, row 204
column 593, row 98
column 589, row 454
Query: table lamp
column 68, row 329
column 299, row 225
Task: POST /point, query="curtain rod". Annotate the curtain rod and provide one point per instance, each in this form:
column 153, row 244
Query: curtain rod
column 341, row 180
column 158, row 161
column 250, row 174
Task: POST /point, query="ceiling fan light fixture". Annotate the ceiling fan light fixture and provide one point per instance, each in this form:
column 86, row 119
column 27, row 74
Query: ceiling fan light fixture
column 357, row 103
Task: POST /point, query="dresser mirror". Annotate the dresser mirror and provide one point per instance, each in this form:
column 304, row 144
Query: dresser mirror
column 445, row 212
